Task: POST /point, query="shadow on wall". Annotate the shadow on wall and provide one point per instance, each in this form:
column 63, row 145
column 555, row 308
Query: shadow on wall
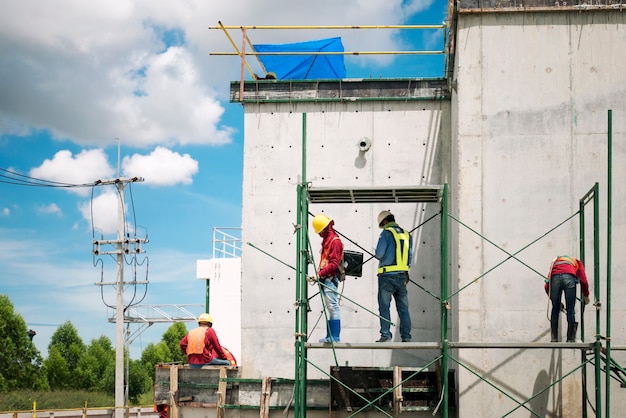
column 539, row 404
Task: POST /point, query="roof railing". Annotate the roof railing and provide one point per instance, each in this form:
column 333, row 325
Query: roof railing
column 247, row 47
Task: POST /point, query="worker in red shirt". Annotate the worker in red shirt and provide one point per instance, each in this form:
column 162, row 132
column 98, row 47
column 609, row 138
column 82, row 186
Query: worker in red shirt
column 565, row 273
column 329, row 275
column 202, row 346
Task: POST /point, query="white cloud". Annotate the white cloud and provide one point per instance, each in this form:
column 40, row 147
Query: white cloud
column 173, row 106
column 162, row 167
column 94, row 71
column 52, row 208
column 101, row 211
column 412, row 7
column 5, row 212
column 84, row 168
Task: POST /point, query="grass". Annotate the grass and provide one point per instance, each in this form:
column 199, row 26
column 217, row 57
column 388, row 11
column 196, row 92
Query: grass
column 24, row 400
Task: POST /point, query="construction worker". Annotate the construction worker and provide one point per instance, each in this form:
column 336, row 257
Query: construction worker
column 565, row 273
column 328, row 274
column 202, row 346
column 394, row 252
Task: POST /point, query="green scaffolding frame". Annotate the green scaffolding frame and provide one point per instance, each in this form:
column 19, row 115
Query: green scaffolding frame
column 441, row 196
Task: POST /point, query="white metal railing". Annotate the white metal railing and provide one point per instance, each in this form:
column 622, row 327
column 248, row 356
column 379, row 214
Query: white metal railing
column 226, row 242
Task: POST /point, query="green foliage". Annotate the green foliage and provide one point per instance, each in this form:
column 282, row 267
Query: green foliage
column 69, row 344
column 67, row 348
column 146, row 398
column 139, row 380
column 76, row 373
column 56, row 370
column 156, row 353
column 96, row 365
column 172, row 337
column 20, row 361
column 22, row 400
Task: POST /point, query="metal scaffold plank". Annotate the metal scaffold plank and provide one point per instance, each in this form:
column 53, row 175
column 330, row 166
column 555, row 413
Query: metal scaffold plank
column 427, row 194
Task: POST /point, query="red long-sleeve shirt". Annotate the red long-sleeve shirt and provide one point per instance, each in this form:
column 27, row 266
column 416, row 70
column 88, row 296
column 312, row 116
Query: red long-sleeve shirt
column 332, row 251
column 562, row 266
column 212, row 348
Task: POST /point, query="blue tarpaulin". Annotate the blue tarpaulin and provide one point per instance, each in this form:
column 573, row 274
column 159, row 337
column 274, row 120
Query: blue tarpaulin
column 303, row 67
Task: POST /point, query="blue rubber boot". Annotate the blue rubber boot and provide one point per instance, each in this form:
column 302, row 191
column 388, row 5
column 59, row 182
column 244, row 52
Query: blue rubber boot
column 335, row 329
column 326, row 339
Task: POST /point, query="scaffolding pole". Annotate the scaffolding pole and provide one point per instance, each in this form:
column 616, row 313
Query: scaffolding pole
column 307, row 195
column 445, row 306
column 300, row 383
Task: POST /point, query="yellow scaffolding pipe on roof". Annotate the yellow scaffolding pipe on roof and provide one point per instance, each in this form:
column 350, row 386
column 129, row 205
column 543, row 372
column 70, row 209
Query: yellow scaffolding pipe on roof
column 332, row 53
column 442, row 26
column 245, row 39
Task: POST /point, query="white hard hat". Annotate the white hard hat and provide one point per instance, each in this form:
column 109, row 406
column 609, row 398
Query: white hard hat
column 382, row 215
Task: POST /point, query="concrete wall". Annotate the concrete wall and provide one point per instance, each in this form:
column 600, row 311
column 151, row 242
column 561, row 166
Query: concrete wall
column 529, row 115
column 522, row 140
column 224, row 276
column 410, row 146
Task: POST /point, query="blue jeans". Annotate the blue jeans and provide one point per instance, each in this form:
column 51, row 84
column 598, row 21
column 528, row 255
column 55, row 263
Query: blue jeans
column 214, row 362
column 563, row 283
column 329, row 291
column 392, row 285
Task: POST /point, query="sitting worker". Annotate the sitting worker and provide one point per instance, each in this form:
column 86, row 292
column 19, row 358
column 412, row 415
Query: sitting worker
column 202, row 346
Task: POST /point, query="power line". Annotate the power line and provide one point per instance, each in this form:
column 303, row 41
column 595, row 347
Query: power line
column 24, row 180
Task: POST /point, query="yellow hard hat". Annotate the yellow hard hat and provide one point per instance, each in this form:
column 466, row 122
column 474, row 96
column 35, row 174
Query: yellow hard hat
column 205, row 317
column 382, row 215
column 320, row 222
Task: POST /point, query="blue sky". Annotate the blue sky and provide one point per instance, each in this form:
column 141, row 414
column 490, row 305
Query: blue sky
column 77, row 79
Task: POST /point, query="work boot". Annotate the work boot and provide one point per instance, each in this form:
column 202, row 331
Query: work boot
column 335, row 329
column 327, row 338
column 554, row 331
column 571, row 331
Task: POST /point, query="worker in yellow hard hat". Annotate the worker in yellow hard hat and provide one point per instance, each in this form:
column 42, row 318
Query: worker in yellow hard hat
column 328, row 273
column 202, row 346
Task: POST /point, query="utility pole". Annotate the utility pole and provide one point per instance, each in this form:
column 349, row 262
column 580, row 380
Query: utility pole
column 123, row 245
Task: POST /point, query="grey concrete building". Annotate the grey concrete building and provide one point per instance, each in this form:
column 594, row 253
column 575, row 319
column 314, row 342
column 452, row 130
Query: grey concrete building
column 516, row 134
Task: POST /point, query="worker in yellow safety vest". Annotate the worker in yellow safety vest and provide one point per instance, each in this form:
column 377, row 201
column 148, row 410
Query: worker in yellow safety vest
column 394, row 252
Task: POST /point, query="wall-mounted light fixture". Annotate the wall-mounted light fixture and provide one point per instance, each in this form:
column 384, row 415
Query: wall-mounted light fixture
column 364, row 145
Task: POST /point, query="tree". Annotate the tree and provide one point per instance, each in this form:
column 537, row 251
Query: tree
column 94, row 366
column 56, row 370
column 166, row 351
column 20, row 361
column 172, row 338
column 70, row 347
column 139, row 381
column 154, row 354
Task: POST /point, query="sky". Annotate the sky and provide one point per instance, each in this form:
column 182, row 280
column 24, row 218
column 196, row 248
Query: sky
column 103, row 90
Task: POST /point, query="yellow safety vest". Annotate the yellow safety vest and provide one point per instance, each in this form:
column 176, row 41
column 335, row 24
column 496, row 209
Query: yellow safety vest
column 402, row 252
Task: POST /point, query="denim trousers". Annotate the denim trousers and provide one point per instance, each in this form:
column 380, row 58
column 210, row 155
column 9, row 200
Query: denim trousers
column 563, row 283
column 214, row 362
column 329, row 291
column 392, row 285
